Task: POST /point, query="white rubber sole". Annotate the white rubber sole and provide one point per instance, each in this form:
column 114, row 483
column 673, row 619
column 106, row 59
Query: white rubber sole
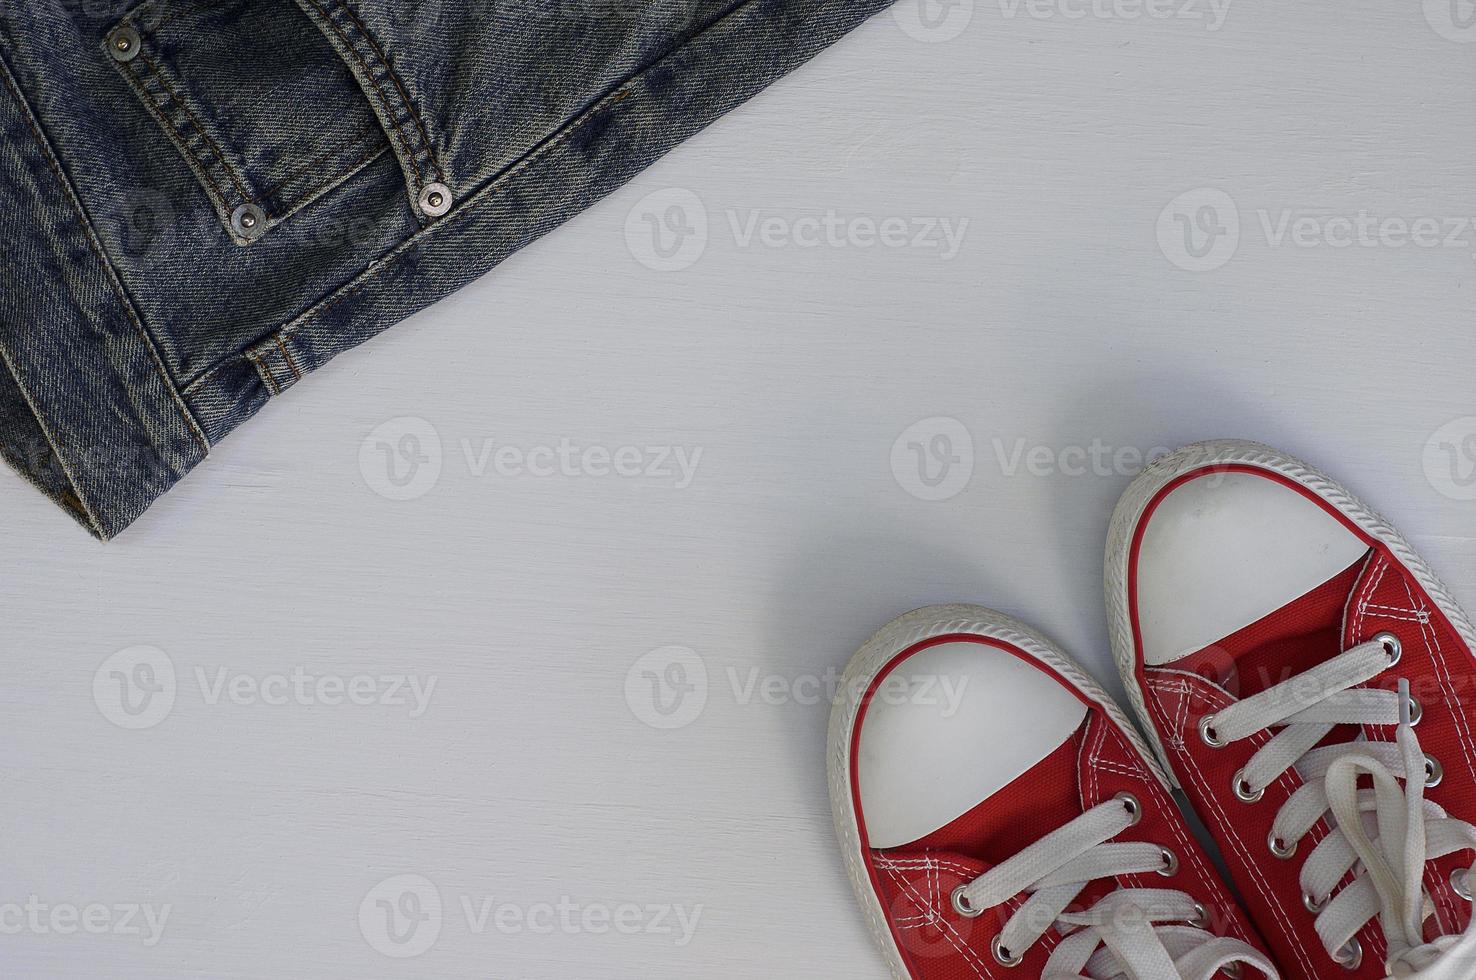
column 1208, row 455
column 892, row 639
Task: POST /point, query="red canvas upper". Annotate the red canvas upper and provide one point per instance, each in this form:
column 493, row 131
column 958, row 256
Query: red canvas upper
column 1375, row 595
column 915, row 882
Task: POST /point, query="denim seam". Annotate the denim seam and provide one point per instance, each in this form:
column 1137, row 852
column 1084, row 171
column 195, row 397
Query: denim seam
column 491, row 187
column 287, row 356
column 254, row 351
column 364, row 138
column 328, row 188
column 95, row 245
column 88, row 512
column 482, row 194
column 486, row 192
column 201, row 133
column 407, row 104
column 264, row 371
column 69, row 500
column 206, row 156
column 392, row 131
column 275, row 364
column 396, row 114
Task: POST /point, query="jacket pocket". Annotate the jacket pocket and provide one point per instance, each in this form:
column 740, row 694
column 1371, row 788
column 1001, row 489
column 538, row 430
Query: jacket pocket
column 257, row 102
column 392, row 93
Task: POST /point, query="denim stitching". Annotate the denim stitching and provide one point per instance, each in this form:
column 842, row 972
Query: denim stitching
column 491, row 190
column 91, row 516
column 264, row 371
column 482, row 193
column 144, row 336
column 212, row 173
column 409, row 103
column 223, row 161
column 323, row 158
column 396, row 128
column 288, row 358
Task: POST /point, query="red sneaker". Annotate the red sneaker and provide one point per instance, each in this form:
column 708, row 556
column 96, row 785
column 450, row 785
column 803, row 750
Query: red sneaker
column 1294, row 660
column 1000, row 818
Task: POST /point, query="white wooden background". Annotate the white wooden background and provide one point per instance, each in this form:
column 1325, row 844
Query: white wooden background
column 541, row 607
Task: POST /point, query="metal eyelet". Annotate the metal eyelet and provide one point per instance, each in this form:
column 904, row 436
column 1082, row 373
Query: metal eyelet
column 1207, row 733
column 962, row 906
column 1392, row 646
column 1131, row 804
column 1243, row 791
column 1201, row 917
column 1232, row 971
column 1281, row 849
column 1003, row 956
column 1170, row 863
column 1460, row 881
column 1314, row 905
column 435, row 199
column 1350, row 957
column 1416, row 711
column 124, row 44
column 249, row 222
column 1434, row 772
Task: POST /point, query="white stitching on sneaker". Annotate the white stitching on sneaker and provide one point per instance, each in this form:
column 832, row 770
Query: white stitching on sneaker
column 1447, row 685
column 1388, row 856
column 980, row 968
column 1421, row 613
column 1283, row 921
column 1447, row 910
column 1138, row 927
column 1210, row 877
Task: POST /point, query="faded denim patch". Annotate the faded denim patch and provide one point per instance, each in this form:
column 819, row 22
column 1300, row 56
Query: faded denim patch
column 213, row 199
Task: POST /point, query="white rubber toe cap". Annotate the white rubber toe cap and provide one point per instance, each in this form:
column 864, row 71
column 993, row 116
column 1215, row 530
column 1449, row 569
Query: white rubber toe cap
column 1225, row 550
column 948, row 728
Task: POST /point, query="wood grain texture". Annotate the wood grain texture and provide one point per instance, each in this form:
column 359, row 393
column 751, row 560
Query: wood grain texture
column 532, row 777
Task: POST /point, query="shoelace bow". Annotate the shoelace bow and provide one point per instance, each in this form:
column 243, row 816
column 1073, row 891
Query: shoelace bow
column 1384, row 835
column 1145, row 934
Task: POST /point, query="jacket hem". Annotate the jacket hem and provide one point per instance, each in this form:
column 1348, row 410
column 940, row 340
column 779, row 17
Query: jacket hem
column 88, row 412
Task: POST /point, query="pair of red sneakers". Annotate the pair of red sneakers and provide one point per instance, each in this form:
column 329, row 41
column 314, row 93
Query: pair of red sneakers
column 1302, row 676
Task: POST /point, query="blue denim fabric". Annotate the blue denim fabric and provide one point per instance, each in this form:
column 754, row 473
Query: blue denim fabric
column 206, row 200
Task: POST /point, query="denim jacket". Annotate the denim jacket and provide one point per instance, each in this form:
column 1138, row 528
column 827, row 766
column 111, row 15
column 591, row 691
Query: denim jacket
column 206, row 200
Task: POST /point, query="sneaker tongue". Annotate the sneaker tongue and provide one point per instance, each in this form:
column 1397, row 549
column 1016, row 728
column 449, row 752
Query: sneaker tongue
column 1290, row 641
column 1044, row 798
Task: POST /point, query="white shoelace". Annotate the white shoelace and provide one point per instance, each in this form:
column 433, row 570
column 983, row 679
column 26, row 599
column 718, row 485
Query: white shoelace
column 1384, row 835
column 1143, row 934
